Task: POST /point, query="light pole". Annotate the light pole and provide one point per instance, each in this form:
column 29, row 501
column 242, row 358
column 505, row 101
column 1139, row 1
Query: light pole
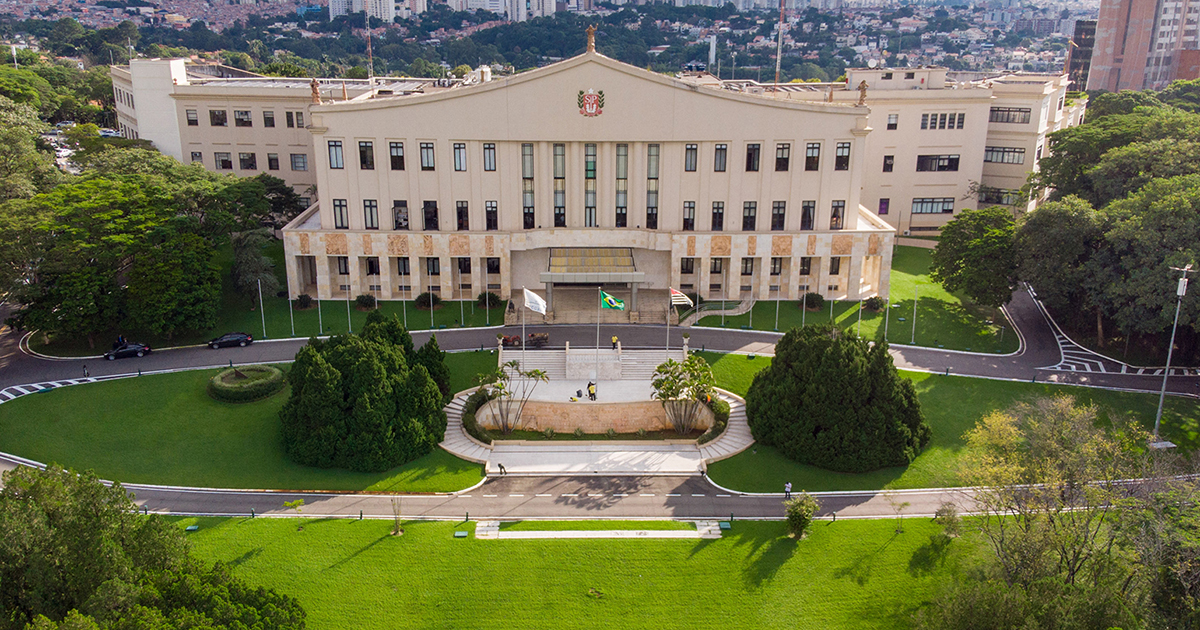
column 1155, row 441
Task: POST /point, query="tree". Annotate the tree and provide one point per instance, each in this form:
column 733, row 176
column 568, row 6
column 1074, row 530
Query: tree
column 285, row 203
column 683, row 388
column 434, row 360
column 833, row 400
column 800, row 511
column 512, row 387
column 251, row 266
column 975, row 255
column 388, row 330
column 1123, row 170
column 174, row 286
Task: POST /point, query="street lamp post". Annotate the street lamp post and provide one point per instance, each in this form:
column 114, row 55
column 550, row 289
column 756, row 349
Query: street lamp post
column 1155, row 441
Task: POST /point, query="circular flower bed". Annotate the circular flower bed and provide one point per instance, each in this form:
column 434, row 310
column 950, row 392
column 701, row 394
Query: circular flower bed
column 246, row 383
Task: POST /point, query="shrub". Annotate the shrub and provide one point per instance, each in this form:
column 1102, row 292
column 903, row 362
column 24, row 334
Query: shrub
column 712, row 433
column 612, row 435
column 548, row 434
column 579, row 432
column 835, row 401
column 641, row 433
column 875, row 303
column 246, row 383
column 428, row 301
column 487, row 299
column 304, row 301
column 720, row 409
column 800, row 511
column 476, row 399
column 947, row 517
column 365, row 301
column 473, row 429
column 813, row 300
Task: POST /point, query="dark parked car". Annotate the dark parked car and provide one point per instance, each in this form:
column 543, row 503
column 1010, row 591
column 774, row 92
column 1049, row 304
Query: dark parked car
column 126, row 350
column 231, row 339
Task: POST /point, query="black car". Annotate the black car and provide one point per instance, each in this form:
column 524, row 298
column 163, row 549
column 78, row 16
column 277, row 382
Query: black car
column 126, row 350
column 231, row 339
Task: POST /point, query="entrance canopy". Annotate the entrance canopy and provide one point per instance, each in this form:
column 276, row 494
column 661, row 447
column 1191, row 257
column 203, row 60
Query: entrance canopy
column 591, row 265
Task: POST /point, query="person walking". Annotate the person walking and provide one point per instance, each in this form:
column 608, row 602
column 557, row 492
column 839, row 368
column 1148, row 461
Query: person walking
column 614, row 340
column 787, row 491
column 591, row 391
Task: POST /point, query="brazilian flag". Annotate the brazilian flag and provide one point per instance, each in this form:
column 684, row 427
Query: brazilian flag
column 608, row 301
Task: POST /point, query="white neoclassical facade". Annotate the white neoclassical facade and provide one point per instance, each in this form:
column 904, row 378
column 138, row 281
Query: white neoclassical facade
column 585, row 173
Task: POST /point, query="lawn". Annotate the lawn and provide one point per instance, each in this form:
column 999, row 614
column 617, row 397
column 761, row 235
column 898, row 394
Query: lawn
column 845, row 575
column 943, row 319
column 164, row 429
column 331, row 316
column 548, row 526
column 951, row 405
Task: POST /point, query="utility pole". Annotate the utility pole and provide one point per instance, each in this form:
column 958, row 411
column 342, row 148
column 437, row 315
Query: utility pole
column 1155, row 441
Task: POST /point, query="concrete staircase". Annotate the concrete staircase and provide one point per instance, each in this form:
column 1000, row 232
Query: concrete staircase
column 552, row 362
column 640, row 364
column 736, row 437
column 457, row 442
column 744, row 306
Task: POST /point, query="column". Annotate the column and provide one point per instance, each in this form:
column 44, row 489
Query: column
column 387, row 280
column 633, row 300
column 324, row 290
column 549, row 296
column 355, row 278
column 763, row 266
column 445, row 263
column 705, row 276
column 854, row 276
column 293, row 273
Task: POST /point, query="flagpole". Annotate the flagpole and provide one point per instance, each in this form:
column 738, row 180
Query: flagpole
column 599, row 299
column 523, row 309
column 669, row 307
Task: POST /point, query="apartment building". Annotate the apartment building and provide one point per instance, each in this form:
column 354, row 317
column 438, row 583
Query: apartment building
column 1145, row 44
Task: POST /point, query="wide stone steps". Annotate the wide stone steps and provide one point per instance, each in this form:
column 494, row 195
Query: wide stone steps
column 736, row 437
column 552, row 362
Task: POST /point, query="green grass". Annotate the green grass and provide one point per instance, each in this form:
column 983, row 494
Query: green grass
column 557, row 526
column 165, row 429
column 239, row 314
column 943, row 319
column 952, row 405
column 844, row 575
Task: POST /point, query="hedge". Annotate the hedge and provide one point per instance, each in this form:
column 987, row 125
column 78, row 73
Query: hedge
column 474, row 402
column 720, row 410
column 261, row 381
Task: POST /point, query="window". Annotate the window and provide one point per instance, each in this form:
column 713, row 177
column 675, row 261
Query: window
column 812, row 156
column 242, row 118
column 299, row 162
column 999, row 196
column 689, row 157
column 300, row 120
column 400, row 214
column 463, row 215
column 1018, row 115
column 1004, row 155
column 527, row 213
column 783, row 153
column 268, row 118
column 933, row 205
column 808, row 215
column 433, row 266
column 747, row 266
column 589, row 185
column 622, row 215
column 889, row 162
column 778, row 214
column 491, row 216
column 961, row 120
column 402, row 267
column 373, row 266
column 430, row 210
column 893, row 121
column 464, row 266
column 835, row 265
column 937, row 163
column 341, row 215
column 652, row 187
column 294, row 119
column 218, row 118
column 805, row 266
column 749, row 210
column 460, row 156
column 335, row 154
column 223, row 161
column 370, row 214
column 943, row 121
column 752, row 154
column 841, row 157
column 689, row 216
column 366, row 155
column 776, row 266
column 197, row 157
column 493, row 266
column 719, row 158
column 396, row 151
column 716, row 265
column 343, row 263
column 489, row 156
column 718, row 216
column 887, row 76
column 193, row 120
column 560, row 185
column 426, row 156
column 837, row 215
column 273, row 161
column 884, row 203
column 687, row 266
column 1038, row 156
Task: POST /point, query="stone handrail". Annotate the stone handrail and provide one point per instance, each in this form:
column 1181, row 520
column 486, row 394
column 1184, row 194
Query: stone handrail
column 743, row 307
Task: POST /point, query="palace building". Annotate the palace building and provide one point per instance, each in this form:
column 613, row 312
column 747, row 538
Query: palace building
column 588, row 172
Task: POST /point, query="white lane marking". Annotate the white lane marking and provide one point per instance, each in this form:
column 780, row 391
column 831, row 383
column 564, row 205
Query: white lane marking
column 622, row 494
column 645, row 495
column 595, row 495
column 489, row 496
column 570, row 495
column 543, row 495
column 516, row 495
column 464, row 496
column 674, row 495
column 697, row 495
column 723, row 495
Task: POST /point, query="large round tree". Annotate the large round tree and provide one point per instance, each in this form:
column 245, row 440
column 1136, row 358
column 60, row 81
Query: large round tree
column 833, row 400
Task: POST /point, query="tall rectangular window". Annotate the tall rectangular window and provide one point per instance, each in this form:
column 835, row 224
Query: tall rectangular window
column 622, row 215
column 893, row 121
column 805, row 266
column 243, row 118
column 373, row 266
column 341, row 214
column 689, row 157
column 889, row 163
column 218, row 118
column 463, row 214
column 248, row 161
column 884, row 205
column 491, row 216
column 433, row 266
column 689, row 216
column 749, row 215
column 299, row 120
column 937, row 163
column 783, row 155
column 560, row 185
column 812, row 156
column 808, row 215
column 493, row 266
column 718, row 216
column 776, row 266
column 268, row 119
column 400, row 214
column 335, row 154
column 778, row 214
column 343, row 264
column 396, row 153
column 273, row 161
column 370, row 214
column 837, row 215
column 652, row 187
column 719, row 157
column 366, row 155
column 716, row 266
column 193, row 120
column 752, row 156
column 299, row 162
column 287, row 116
column 747, row 266
column 841, row 157
column 687, row 266
column 426, row 156
column 489, row 156
column 460, row 156
column 403, row 267
column 527, row 210
column 430, row 210
column 835, row 265
column 589, row 185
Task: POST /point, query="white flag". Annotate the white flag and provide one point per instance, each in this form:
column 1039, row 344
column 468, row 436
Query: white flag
column 534, row 302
